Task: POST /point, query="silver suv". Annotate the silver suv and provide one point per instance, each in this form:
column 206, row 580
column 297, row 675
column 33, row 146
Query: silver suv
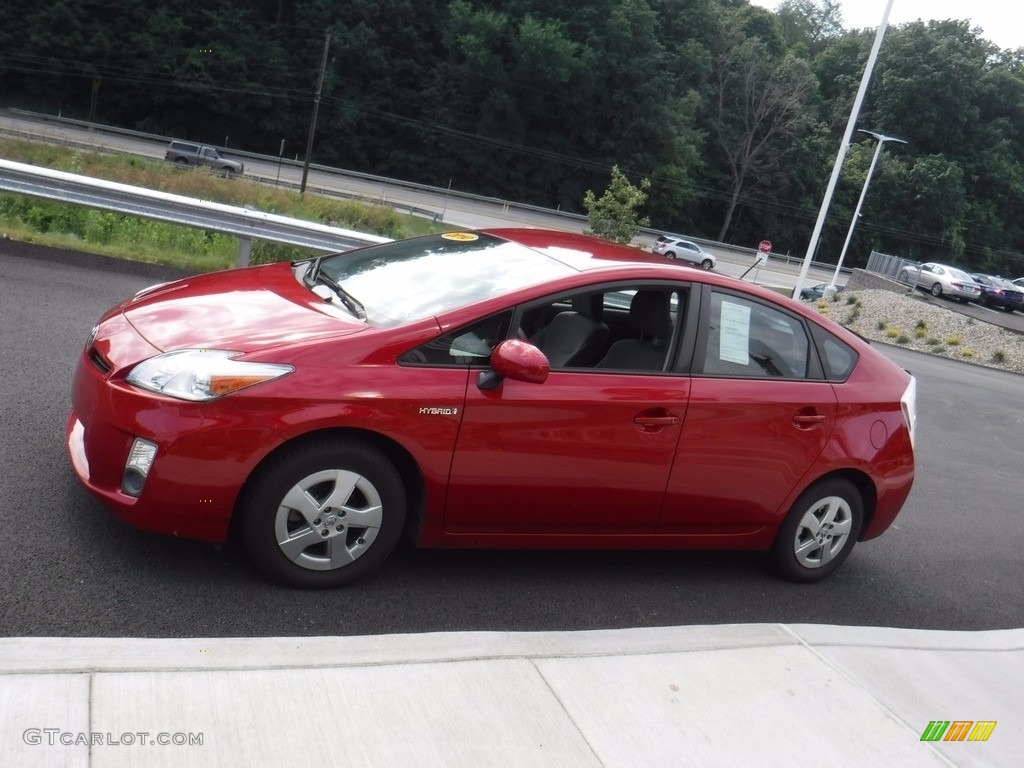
column 684, row 250
column 186, row 153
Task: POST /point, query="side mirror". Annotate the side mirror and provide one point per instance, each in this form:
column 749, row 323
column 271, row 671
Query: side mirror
column 517, row 360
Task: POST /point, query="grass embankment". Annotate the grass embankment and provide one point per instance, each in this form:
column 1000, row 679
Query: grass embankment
column 75, row 227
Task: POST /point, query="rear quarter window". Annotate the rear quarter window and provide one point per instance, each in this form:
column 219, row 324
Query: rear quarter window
column 837, row 357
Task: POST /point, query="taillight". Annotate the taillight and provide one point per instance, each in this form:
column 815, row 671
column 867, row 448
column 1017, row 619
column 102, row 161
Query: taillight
column 908, row 403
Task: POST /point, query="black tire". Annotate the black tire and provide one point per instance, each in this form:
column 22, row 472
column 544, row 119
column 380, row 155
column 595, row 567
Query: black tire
column 706, row 264
column 181, row 161
column 670, row 255
column 293, row 501
column 936, row 290
column 807, row 546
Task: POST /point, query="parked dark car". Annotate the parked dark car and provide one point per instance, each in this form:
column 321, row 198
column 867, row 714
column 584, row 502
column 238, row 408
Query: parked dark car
column 816, row 291
column 999, row 292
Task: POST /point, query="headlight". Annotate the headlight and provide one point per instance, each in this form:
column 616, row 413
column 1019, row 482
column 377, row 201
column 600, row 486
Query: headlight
column 201, row 374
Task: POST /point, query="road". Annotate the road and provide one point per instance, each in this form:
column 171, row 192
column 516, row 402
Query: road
column 453, row 207
column 69, row 568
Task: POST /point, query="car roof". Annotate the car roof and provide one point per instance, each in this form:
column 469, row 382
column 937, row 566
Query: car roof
column 579, row 251
column 588, row 254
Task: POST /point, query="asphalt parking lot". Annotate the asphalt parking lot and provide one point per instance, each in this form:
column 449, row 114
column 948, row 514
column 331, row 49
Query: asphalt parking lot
column 952, row 561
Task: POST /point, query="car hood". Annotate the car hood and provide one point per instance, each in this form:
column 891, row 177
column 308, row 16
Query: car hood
column 242, row 310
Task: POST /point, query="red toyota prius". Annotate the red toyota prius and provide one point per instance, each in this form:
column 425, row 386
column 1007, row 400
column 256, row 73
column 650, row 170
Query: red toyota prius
column 496, row 388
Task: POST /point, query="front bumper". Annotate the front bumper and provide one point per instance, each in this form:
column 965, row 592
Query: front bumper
column 205, row 452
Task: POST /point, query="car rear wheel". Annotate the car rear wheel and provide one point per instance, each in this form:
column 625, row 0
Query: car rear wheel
column 706, row 264
column 819, row 531
column 324, row 514
column 936, row 290
column 669, row 255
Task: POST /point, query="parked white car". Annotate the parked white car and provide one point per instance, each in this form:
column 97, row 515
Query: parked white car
column 684, row 250
column 942, row 280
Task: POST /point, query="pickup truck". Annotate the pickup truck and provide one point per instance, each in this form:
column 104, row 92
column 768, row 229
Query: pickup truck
column 186, row 153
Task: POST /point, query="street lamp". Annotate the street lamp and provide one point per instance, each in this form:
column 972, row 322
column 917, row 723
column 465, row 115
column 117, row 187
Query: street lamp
column 812, row 246
column 882, row 138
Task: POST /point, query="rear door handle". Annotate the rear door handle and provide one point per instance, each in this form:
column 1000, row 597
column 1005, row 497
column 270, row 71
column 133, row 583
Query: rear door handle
column 808, row 419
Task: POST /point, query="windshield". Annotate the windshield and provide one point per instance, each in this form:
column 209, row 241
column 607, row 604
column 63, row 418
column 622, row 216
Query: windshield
column 413, row 279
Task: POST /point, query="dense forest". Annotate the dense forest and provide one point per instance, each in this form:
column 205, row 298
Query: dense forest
column 733, row 112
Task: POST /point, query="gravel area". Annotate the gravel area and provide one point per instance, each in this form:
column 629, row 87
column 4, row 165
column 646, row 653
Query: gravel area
column 909, row 321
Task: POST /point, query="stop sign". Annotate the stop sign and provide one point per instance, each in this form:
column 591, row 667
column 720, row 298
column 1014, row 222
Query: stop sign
column 765, row 246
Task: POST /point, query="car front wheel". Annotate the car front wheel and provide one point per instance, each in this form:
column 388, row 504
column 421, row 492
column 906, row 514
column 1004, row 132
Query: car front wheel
column 936, row 290
column 324, row 514
column 819, row 531
column 706, row 264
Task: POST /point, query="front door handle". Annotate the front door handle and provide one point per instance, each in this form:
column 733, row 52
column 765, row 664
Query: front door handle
column 656, row 421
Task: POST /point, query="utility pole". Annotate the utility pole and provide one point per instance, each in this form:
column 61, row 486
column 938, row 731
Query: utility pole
column 316, row 110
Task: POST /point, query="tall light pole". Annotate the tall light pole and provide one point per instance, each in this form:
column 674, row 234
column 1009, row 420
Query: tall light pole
column 882, row 138
column 847, row 135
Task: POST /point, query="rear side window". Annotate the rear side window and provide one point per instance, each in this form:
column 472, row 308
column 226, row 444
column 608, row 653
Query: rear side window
column 748, row 339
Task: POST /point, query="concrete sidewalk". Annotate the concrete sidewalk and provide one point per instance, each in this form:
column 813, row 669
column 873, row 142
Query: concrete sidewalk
column 731, row 695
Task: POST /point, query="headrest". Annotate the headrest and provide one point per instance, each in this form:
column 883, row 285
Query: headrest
column 649, row 313
column 589, row 304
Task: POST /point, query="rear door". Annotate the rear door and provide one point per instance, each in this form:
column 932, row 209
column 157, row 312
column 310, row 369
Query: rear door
column 760, row 414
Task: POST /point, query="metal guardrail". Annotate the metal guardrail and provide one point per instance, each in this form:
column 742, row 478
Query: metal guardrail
column 245, row 224
column 391, row 183
column 384, row 181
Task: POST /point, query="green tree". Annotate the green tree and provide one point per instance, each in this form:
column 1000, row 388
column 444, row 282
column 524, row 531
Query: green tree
column 760, row 105
column 810, row 23
column 614, row 215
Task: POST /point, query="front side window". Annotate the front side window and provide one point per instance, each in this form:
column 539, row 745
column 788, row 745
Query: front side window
column 467, row 346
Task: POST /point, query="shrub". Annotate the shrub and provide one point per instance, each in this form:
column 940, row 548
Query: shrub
column 903, row 339
column 954, row 341
column 999, row 357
